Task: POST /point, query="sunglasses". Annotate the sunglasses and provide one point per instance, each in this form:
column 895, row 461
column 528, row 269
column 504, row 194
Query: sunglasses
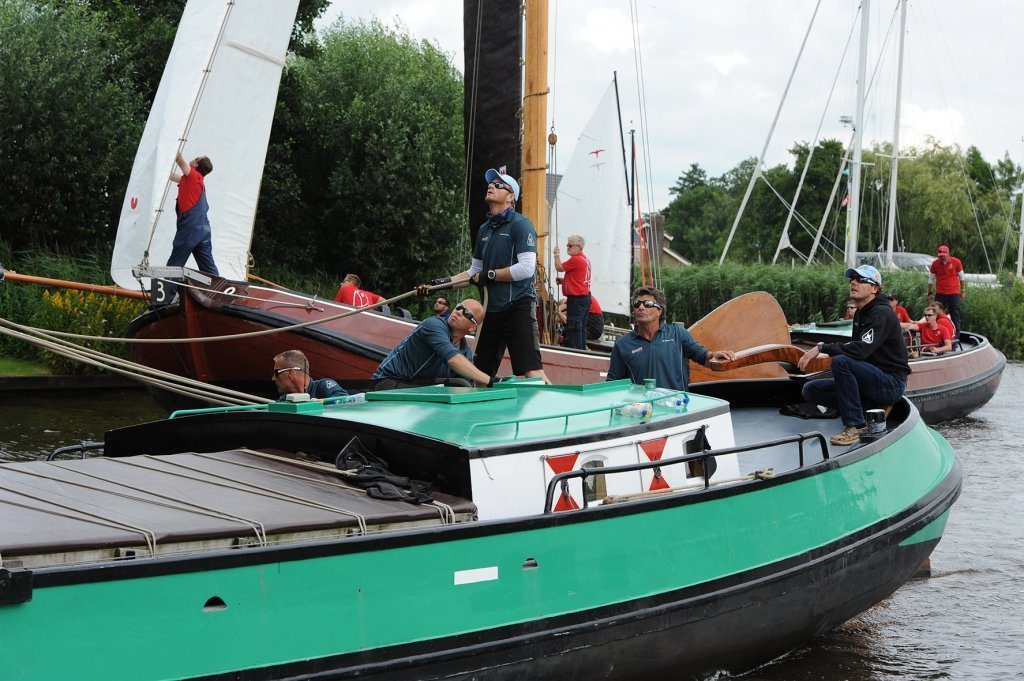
column 466, row 313
column 500, row 185
column 862, row 280
column 851, row 307
column 929, row 314
column 278, row 372
column 645, row 303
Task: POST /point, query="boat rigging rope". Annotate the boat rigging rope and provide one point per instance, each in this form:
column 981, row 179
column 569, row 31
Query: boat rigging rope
column 52, row 342
column 75, row 513
column 233, row 336
column 241, row 296
column 188, row 127
column 242, row 486
column 160, row 379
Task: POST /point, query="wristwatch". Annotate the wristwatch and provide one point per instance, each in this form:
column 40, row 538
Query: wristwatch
column 820, row 346
column 491, row 275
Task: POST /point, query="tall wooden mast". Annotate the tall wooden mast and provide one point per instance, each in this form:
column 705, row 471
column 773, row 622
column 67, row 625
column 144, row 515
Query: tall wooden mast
column 535, row 113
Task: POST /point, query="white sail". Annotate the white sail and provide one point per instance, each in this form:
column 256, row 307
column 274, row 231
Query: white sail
column 592, row 202
column 225, row 114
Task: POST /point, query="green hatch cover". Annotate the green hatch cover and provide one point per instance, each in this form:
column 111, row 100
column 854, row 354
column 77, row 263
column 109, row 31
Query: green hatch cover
column 443, row 395
column 309, row 407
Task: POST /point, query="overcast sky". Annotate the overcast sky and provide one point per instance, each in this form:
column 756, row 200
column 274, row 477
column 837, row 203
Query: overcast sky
column 714, row 72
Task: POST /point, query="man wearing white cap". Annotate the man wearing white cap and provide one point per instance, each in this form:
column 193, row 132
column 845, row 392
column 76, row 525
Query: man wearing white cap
column 505, row 266
column 868, row 372
column 946, row 283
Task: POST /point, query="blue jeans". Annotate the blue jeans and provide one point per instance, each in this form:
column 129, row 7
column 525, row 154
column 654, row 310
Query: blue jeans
column 855, row 387
column 193, row 241
column 576, row 321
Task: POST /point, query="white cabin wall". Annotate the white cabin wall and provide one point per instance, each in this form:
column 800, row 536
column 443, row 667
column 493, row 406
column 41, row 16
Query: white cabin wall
column 514, row 485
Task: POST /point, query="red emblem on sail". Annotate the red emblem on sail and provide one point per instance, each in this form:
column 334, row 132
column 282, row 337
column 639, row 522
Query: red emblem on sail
column 134, row 202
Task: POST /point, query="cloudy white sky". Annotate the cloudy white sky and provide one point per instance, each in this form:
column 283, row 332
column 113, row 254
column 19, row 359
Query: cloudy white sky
column 714, row 72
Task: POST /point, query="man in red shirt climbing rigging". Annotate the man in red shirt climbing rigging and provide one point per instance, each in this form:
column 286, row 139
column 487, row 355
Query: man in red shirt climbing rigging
column 193, row 234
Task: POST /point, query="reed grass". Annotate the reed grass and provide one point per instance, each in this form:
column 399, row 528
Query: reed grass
column 818, row 293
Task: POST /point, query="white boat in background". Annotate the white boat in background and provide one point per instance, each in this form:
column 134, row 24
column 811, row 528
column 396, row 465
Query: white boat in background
column 216, row 98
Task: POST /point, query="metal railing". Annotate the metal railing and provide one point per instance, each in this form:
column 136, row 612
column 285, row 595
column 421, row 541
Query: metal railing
column 561, row 480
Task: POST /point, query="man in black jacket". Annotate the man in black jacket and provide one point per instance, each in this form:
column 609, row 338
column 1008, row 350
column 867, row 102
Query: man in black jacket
column 871, row 370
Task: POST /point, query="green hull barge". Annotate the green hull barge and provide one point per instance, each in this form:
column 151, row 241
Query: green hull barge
column 557, row 537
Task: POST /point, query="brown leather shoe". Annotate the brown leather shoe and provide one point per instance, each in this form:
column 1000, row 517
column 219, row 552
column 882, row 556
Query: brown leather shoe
column 848, row 436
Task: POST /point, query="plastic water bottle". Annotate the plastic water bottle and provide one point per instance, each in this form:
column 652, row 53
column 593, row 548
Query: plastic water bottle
column 668, row 398
column 637, row 409
column 355, row 399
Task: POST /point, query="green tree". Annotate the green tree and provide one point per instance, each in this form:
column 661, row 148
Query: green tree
column 978, row 169
column 146, row 32
column 698, row 220
column 694, row 177
column 68, row 125
column 365, row 171
column 1009, row 175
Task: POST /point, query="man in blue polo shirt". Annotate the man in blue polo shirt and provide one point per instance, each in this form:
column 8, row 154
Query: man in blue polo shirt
column 435, row 352
column 505, row 265
column 656, row 349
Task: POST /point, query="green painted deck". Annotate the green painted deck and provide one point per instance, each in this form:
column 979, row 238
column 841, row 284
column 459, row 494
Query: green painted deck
column 521, row 411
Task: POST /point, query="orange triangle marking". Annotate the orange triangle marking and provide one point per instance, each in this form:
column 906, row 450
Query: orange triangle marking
column 563, row 463
column 654, row 448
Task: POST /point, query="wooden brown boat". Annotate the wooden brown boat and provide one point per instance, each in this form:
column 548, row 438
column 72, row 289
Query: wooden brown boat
column 349, row 349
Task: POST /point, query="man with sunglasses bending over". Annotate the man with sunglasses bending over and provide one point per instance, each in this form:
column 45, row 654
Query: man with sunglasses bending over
column 505, row 266
column 435, row 352
column 656, row 349
column 868, row 372
column 291, row 375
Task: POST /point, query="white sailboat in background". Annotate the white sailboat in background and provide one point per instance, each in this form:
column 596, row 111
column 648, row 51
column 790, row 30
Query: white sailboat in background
column 592, row 201
column 216, row 98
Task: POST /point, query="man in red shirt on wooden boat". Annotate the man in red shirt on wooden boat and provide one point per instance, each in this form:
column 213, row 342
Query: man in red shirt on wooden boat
column 192, row 236
column 576, row 288
column 935, row 338
column 349, row 293
column 901, row 312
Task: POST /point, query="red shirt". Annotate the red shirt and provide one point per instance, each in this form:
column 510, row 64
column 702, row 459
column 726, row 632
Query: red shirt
column 577, row 276
column 945, row 322
column 933, row 337
column 901, row 314
column 947, row 280
column 190, row 188
column 594, row 307
column 350, row 294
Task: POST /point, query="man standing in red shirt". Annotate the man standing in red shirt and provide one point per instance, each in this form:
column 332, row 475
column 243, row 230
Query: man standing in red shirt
column 576, row 288
column 946, row 283
column 192, row 236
